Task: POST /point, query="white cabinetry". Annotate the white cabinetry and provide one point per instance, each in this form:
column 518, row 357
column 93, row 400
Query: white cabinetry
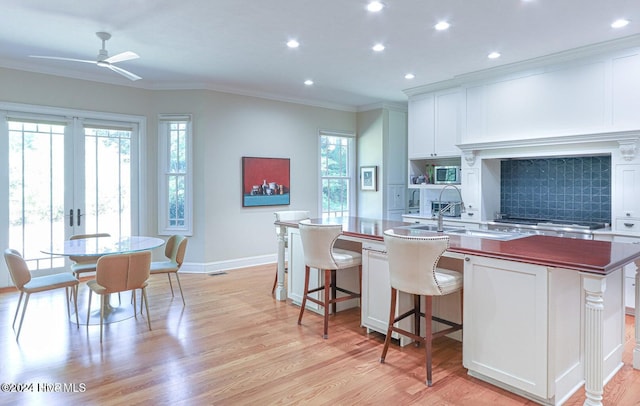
column 505, row 323
column 447, row 222
column 629, row 276
column 346, row 278
column 433, row 124
column 626, row 204
column 396, row 201
column 471, row 193
column 523, row 327
column 376, row 288
column 376, row 296
column 421, row 129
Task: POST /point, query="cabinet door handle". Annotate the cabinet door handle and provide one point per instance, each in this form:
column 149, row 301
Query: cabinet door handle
column 372, row 250
column 470, row 214
column 628, row 225
column 71, row 218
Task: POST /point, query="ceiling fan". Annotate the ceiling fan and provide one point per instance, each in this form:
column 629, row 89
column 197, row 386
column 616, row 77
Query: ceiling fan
column 103, row 59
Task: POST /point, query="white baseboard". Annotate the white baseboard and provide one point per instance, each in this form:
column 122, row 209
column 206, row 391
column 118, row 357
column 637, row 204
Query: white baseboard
column 220, row 266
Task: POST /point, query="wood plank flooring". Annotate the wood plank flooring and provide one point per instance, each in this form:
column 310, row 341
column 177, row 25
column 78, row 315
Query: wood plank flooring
column 234, row 344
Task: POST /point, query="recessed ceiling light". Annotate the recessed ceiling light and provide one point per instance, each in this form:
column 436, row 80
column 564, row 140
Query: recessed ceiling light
column 620, row 23
column 375, row 6
column 308, row 82
column 409, row 76
column 494, row 55
column 378, row 47
column 292, row 43
column 442, row 25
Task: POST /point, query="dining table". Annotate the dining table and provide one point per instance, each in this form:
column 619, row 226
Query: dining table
column 100, row 246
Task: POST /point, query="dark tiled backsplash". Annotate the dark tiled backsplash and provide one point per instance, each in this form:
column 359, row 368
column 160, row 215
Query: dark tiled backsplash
column 577, row 189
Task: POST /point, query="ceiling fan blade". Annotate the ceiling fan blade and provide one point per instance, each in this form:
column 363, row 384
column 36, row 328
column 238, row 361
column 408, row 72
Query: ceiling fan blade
column 62, row 59
column 124, row 73
column 123, row 56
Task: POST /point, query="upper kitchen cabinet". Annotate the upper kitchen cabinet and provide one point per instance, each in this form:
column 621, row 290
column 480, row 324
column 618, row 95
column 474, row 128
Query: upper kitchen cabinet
column 591, row 95
column 434, row 125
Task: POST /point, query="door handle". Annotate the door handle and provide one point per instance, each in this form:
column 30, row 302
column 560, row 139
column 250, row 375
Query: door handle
column 79, row 215
column 71, row 218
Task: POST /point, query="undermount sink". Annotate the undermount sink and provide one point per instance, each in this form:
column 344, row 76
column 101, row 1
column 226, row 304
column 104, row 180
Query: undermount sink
column 431, row 227
column 489, row 234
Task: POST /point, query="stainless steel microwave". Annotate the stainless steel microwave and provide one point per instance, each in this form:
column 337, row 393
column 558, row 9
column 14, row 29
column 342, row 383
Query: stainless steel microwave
column 447, row 175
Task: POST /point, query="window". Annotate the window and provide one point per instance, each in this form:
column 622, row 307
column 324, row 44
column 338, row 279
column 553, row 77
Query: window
column 67, row 172
column 175, row 192
column 337, row 174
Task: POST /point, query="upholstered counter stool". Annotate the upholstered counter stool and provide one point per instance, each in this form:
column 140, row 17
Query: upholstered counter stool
column 286, row 216
column 319, row 252
column 413, row 269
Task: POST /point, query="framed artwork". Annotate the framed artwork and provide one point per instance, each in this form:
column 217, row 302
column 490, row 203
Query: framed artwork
column 265, row 181
column 369, row 178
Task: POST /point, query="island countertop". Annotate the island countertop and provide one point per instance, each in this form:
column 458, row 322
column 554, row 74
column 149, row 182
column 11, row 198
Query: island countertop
column 591, row 256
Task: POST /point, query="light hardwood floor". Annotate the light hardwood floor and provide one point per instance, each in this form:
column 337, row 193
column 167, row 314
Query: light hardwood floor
column 233, row 344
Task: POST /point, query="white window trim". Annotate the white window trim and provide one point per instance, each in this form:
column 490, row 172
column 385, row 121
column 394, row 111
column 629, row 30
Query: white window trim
column 32, row 111
column 352, row 168
column 163, row 158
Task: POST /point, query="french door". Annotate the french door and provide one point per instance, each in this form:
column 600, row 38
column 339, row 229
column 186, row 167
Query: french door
column 67, row 176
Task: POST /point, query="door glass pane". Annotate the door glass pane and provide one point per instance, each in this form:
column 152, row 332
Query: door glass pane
column 107, row 181
column 36, row 190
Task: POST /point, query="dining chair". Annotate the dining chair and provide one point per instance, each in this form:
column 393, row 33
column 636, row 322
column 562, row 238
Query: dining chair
column 84, row 264
column 25, row 283
column 174, row 250
column 120, row 273
column 287, row 215
column 318, row 242
column 413, row 269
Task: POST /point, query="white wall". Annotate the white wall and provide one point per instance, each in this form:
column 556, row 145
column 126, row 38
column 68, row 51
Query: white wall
column 370, row 153
column 226, row 127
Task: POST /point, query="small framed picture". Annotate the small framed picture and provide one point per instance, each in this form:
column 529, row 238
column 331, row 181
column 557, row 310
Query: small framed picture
column 369, row 178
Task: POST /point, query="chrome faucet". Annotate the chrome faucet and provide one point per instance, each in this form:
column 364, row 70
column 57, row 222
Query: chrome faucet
column 447, row 207
column 412, row 202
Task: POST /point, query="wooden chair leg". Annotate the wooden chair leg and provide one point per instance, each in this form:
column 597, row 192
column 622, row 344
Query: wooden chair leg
column 392, row 315
column 416, row 317
column 428, row 313
column 327, row 299
column 334, row 291
column 305, row 294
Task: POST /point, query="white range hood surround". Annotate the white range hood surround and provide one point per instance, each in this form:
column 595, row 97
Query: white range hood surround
column 626, row 142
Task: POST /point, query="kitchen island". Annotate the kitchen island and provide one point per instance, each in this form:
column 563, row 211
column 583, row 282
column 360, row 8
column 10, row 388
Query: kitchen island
column 542, row 316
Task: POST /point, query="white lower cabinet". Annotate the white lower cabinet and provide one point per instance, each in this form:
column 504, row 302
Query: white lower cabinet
column 376, row 297
column 346, row 278
column 376, row 291
column 629, row 277
column 523, row 324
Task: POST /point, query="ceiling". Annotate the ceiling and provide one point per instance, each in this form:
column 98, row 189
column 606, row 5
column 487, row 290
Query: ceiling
column 239, row 45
